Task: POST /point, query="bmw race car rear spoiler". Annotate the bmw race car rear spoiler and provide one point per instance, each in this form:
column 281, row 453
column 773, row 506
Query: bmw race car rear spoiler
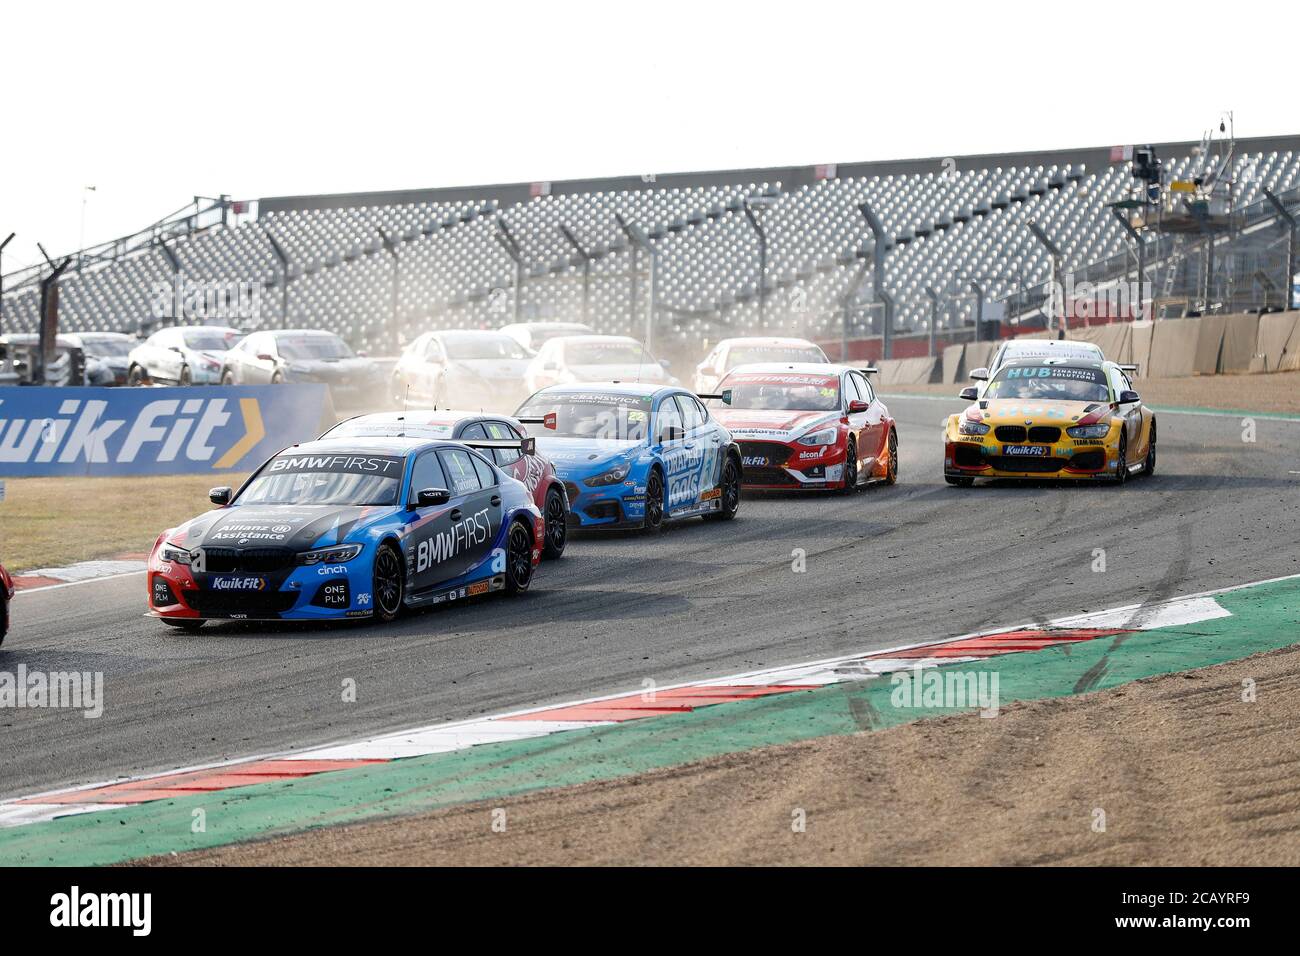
column 1129, row 368
column 547, row 421
column 723, row 396
column 869, row 370
column 527, row 446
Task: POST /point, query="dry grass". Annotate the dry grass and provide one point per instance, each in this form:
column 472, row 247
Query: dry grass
column 50, row 522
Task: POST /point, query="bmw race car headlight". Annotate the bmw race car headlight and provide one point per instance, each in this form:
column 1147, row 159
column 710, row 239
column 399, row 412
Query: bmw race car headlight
column 968, row 427
column 824, row 437
column 173, row 553
column 1088, row 431
column 334, row 555
column 609, row 477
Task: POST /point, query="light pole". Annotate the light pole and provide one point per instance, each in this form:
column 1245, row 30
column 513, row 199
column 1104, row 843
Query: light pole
column 639, row 240
column 81, row 239
column 750, row 203
column 513, row 250
column 8, row 239
column 391, row 248
column 882, row 244
column 1055, row 253
column 586, row 270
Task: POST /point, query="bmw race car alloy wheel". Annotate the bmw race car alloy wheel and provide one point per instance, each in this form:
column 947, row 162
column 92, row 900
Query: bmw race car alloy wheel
column 730, row 492
column 519, row 558
column 227, row 377
column 850, row 468
column 389, row 583
column 654, row 501
column 1121, row 462
column 1150, row 468
column 136, row 376
column 186, row 377
column 557, row 524
column 891, row 470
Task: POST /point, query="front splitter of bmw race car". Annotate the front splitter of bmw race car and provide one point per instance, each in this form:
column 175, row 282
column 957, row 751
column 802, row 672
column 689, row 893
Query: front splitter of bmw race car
column 984, row 456
column 789, row 466
column 277, row 591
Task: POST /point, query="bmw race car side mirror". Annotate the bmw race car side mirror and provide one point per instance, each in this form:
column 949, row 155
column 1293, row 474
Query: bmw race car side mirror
column 970, row 393
column 219, row 496
column 1129, row 398
column 857, row 405
column 980, row 374
column 428, row 497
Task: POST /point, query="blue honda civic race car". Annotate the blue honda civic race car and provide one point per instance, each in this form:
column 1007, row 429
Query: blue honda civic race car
column 351, row 527
column 634, row 455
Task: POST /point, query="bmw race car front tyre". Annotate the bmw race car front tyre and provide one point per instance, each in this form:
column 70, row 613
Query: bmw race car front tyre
column 519, row 558
column 730, row 487
column 557, row 524
column 389, row 583
column 183, row 623
column 1121, row 462
column 654, row 502
column 1150, row 468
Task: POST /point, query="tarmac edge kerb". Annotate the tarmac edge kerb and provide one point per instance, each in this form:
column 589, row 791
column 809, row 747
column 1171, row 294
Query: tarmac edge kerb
column 1029, row 665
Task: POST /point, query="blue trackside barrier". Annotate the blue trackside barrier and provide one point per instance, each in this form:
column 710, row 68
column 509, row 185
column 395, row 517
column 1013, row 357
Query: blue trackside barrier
column 153, row 431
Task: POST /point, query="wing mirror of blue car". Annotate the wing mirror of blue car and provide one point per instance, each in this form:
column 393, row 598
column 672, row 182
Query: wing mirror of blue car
column 1129, row 398
column 857, row 405
column 219, row 496
column 428, row 497
column 970, row 393
column 980, row 374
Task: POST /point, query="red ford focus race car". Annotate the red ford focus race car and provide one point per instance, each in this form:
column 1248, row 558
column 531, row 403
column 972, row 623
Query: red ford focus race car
column 807, row 426
column 535, row 471
column 6, row 595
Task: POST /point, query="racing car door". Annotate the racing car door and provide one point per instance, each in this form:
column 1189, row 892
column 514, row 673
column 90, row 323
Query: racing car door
column 670, row 444
column 872, row 435
column 1131, row 415
column 452, row 537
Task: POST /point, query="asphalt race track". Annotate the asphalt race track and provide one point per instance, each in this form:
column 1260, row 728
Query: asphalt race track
column 884, row 567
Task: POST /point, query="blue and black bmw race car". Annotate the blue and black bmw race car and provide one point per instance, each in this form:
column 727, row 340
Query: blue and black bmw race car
column 634, row 455
column 351, row 527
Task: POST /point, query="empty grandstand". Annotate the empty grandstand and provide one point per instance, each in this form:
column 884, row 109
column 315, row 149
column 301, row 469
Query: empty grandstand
column 694, row 257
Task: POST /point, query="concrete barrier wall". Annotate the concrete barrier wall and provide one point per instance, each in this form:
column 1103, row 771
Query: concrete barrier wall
column 1240, row 336
column 1173, row 349
column 954, row 365
column 1209, row 343
column 1140, row 354
column 1275, row 331
column 910, row 371
column 1291, row 357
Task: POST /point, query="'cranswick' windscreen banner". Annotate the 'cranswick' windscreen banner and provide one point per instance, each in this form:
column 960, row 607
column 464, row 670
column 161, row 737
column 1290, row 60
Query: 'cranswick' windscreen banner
column 153, row 431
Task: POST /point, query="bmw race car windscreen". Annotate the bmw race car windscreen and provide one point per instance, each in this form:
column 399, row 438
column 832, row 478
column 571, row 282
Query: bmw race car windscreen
column 291, row 479
column 593, row 415
column 1049, row 383
column 801, row 393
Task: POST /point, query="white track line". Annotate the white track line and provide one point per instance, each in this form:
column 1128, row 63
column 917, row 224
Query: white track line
column 70, row 584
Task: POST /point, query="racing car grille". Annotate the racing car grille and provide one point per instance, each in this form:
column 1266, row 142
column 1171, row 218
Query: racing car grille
column 1010, row 433
column 1022, row 464
column 250, row 603
column 1044, row 434
column 1088, row 461
column 768, row 476
column 220, row 560
column 774, row 452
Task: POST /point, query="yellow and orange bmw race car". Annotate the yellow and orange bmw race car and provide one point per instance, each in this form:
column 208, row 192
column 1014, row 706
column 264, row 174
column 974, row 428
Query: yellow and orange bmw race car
column 1052, row 418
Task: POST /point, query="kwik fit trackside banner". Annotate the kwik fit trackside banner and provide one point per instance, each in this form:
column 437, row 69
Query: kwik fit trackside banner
column 152, row 431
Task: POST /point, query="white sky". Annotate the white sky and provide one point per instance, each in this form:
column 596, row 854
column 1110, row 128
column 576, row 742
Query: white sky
column 152, row 103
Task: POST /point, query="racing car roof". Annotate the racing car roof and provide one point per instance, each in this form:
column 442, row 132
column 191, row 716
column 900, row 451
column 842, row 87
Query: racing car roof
column 435, row 423
column 643, row 389
column 769, row 340
column 799, row 368
column 1043, row 348
column 379, row 445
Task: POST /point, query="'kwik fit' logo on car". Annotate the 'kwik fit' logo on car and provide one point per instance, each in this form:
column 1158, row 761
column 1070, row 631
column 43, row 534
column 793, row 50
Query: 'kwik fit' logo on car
column 166, row 430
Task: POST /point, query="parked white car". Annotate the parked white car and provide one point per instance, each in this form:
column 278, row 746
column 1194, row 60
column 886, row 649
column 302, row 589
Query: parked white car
column 595, row 358
column 470, row 368
column 182, row 355
column 750, row 350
